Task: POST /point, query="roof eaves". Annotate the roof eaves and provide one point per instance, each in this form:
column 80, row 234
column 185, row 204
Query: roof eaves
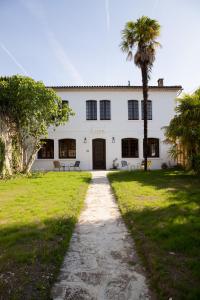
column 178, row 87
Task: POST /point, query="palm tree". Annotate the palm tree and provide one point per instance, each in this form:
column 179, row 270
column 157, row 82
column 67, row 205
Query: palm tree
column 142, row 34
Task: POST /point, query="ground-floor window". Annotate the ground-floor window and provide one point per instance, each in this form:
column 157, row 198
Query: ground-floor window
column 129, row 147
column 152, row 147
column 47, row 149
column 67, row 148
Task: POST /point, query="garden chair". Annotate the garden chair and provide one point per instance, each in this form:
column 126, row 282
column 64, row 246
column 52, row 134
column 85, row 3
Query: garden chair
column 58, row 165
column 76, row 165
column 124, row 164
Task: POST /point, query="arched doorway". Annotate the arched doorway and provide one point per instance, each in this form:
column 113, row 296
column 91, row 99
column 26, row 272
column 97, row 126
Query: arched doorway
column 99, row 154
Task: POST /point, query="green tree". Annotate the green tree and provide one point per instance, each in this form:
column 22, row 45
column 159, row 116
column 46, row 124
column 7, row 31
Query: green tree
column 142, row 35
column 27, row 110
column 184, row 129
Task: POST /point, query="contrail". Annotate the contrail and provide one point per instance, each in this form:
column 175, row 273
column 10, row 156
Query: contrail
column 37, row 10
column 13, row 59
column 63, row 58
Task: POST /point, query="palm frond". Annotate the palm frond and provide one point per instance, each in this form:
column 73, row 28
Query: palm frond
column 129, row 56
column 141, row 34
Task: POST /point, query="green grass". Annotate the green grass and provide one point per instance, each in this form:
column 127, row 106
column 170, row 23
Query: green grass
column 162, row 212
column 37, row 218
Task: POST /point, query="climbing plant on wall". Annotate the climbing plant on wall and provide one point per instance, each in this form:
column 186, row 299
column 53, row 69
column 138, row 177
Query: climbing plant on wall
column 2, row 155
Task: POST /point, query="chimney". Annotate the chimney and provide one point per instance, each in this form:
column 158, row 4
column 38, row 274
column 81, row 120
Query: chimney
column 160, row 82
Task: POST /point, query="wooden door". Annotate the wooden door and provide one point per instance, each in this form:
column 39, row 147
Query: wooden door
column 99, row 154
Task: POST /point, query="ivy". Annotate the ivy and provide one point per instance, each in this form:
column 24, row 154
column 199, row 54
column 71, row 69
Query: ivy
column 2, row 155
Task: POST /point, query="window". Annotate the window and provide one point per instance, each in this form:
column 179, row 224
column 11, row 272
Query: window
column 152, row 147
column 91, row 110
column 149, row 109
column 133, row 110
column 67, row 148
column 105, row 110
column 47, row 149
column 129, row 147
column 65, row 102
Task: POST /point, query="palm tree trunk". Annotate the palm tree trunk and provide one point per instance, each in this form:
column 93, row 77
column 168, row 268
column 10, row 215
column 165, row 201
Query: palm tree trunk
column 145, row 97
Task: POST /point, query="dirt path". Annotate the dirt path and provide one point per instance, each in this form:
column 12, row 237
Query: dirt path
column 101, row 263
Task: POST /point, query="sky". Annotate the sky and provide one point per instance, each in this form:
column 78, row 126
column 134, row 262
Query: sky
column 76, row 42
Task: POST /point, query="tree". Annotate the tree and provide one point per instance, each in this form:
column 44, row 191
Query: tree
column 7, row 125
column 27, row 110
column 142, row 34
column 183, row 132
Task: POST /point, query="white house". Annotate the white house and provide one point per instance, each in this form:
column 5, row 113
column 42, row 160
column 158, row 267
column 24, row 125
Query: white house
column 108, row 124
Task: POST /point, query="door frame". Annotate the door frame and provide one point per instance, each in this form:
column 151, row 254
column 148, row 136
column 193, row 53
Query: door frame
column 104, row 146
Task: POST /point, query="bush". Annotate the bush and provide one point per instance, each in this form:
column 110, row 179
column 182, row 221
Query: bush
column 164, row 166
column 196, row 163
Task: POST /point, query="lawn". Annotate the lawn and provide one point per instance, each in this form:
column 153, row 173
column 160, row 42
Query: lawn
column 162, row 212
column 37, row 218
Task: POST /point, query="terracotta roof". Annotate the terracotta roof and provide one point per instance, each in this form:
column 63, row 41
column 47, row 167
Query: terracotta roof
column 176, row 87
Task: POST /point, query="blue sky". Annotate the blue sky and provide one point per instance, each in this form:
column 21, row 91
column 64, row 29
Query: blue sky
column 76, row 42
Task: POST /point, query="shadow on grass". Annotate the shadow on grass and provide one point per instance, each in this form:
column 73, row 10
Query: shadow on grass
column 31, row 256
column 167, row 235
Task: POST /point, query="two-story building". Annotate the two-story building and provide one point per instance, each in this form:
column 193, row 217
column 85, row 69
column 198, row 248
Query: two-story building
column 108, row 124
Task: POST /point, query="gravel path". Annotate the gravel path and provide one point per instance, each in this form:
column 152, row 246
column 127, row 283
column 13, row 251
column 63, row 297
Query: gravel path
column 101, row 263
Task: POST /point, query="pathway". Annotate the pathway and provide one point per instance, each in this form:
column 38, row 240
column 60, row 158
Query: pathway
column 101, row 263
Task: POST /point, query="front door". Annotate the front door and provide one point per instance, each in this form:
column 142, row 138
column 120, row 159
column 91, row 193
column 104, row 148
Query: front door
column 99, row 154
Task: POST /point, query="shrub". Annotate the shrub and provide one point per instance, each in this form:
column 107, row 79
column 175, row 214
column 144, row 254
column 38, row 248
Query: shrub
column 164, row 166
column 196, row 163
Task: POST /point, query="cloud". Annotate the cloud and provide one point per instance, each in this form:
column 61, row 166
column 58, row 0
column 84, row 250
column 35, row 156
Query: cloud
column 13, row 58
column 107, row 14
column 36, row 9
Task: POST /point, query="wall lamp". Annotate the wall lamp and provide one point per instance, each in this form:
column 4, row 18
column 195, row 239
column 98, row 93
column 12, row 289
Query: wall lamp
column 113, row 139
column 85, row 140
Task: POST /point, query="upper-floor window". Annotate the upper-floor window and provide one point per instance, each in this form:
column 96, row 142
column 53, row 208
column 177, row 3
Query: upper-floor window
column 149, row 109
column 152, row 147
column 130, row 148
column 91, row 110
column 133, row 110
column 47, row 149
column 105, row 110
column 67, row 148
column 65, row 102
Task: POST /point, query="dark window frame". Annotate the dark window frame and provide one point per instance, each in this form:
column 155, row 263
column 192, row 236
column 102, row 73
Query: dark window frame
column 126, row 148
column 133, row 110
column 149, row 110
column 47, row 149
column 156, row 143
column 105, row 109
column 69, row 145
column 65, row 102
column 91, row 110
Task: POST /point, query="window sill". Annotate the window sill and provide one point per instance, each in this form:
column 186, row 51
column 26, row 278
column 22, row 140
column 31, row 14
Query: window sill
column 44, row 158
column 129, row 157
column 67, row 158
column 152, row 158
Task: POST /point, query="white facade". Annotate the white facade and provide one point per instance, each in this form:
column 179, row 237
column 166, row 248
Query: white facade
column 114, row 130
